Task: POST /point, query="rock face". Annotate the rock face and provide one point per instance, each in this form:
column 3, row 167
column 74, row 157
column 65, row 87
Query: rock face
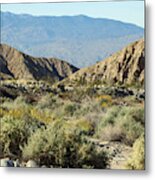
column 124, row 67
column 17, row 65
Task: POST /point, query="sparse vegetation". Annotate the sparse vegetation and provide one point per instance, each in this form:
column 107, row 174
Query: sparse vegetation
column 70, row 123
column 137, row 160
column 56, row 130
column 124, row 124
column 66, row 147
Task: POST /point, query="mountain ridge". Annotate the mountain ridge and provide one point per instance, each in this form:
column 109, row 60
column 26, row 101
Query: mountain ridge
column 70, row 16
column 80, row 39
column 17, row 65
column 124, row 67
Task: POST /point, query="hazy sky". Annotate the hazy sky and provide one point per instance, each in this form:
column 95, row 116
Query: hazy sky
column 127, row 11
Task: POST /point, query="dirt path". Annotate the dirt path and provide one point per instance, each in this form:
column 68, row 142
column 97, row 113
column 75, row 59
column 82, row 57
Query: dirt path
column 118, row 152
column 120, row 156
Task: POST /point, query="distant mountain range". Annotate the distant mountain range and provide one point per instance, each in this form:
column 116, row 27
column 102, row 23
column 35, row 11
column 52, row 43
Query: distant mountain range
column 126, row 67
column 17, row 65
column 80, row 40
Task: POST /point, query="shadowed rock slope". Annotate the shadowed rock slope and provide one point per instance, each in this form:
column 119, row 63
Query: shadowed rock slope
column 124, row 67
column 17, row 65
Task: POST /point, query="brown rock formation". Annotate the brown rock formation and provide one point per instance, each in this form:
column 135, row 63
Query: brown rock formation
column 124, row 67
column 17, row 65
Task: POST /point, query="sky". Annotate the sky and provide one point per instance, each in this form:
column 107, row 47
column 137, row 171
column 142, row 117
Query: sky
column 126, row 11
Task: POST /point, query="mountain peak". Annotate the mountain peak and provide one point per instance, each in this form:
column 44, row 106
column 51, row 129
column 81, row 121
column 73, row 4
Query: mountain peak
column 124, row 67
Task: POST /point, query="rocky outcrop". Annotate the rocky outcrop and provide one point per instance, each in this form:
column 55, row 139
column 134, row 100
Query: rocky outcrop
column 17, row 65
column 124, row 67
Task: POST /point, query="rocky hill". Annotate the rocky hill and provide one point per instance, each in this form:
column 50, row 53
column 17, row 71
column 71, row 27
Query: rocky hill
column 17, row 65
column 124, row 67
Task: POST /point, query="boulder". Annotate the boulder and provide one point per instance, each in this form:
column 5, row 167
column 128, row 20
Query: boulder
column 6, row 162
column 31, row 164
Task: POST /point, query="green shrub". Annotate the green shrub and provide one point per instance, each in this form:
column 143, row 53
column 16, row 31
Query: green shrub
column 70, row 109
column 46, row 101
column 14, row 133
column 61, row 146
column 137, row 160
column 19, row 102
column 113, row 133
column 125, row 124
column 82, row 126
